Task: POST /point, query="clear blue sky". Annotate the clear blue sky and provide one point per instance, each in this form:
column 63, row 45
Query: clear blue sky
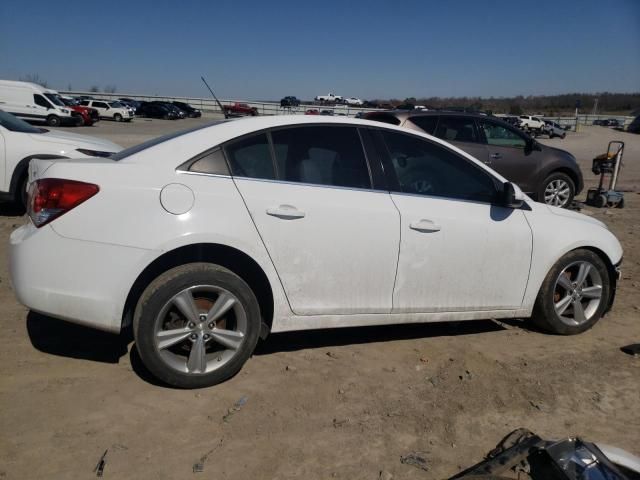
column 369, row 49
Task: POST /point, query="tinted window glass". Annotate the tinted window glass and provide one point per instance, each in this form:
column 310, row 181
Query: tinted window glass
column 457, row 129
column 502, row 136
column 251, row 157
column 428, row 169
column 427, row 123
column 210, row 162
column 383, row 117
column 321, row 155
column 84, row 102
column 40, row 100
column 100, row 104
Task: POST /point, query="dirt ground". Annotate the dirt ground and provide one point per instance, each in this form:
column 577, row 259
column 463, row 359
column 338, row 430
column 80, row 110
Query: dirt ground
column 343, row 404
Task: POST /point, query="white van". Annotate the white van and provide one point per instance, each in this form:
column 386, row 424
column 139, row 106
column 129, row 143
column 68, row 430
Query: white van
column 33, row 102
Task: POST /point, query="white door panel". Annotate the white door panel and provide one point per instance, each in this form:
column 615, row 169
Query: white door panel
column 460, row 255
column 335, row 249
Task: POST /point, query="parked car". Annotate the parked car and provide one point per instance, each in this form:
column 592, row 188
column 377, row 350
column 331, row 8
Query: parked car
column 110, row 110
column 545, row 173
column 35, row 103
column 531, row 123
column 326, row 112
column 312, row 111
column 154, row 110
column 170, row 106
column 435, row 224
column 23, row 142
column 554, row 129
column 634, row 126
column 89, row 115
column 240, row 110
column 353, row 101
column 515, row 121
column 289, row 101
column 130, row 105
column 328, row 98
column 131, row 102
column 188, row 109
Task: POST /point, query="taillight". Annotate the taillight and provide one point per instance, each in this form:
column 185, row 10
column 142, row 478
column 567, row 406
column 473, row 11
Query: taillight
column 50, row 198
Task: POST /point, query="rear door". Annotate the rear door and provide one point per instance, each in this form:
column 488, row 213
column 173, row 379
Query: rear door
column 462, row 132
column 510, row 154
column 333, row 238
column 459, row 250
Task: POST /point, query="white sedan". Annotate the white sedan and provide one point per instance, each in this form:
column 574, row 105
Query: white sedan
column 209, row 239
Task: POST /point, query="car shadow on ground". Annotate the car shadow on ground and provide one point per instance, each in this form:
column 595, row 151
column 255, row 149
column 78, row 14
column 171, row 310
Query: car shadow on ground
column 64, row 339
column 11, row 209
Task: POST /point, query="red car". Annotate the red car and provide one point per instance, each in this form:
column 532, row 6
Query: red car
column 240, row 109
column 312, row 111
column 89, row 115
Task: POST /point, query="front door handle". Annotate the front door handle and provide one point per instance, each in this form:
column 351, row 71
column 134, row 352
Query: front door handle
column 496, row 156
column 285, row 212
column 425, row 225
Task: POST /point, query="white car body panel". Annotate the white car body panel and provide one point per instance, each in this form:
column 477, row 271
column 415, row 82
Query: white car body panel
column 104, row 244
column 341, row 257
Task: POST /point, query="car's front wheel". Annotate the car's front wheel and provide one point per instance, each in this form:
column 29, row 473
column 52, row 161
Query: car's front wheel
column 53, row 121
column 196, row 325
column 557, row 190
column 117, row 117
column 574, row 294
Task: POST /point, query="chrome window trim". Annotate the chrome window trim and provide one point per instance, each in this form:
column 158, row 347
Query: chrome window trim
column 287, row 182
column 186, row 172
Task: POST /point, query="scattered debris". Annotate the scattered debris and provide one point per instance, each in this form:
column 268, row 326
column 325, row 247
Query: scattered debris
column 198, row 467
column 331, row 355
column 384, row 475
column 466, row 375
column 339, row 423
column 633, row 349
column 99, row 469
column 236, row 408
column 341, row 392
column 416, row 459
column 290, row 368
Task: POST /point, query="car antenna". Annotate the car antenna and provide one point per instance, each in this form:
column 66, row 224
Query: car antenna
column 216, row 98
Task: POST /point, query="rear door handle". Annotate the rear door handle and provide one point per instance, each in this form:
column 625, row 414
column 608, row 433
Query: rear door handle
column 496, row 156
column 425, row 225
column 285, row 212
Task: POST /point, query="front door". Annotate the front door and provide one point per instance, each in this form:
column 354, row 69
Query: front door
column 332, row 238
column 459, row 251
column 462, row 132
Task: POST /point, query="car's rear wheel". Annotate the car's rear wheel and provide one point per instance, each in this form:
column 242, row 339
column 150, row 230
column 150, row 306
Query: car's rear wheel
column 196, row 325
column 557, row 190
column 574, row 294
column 117, row 117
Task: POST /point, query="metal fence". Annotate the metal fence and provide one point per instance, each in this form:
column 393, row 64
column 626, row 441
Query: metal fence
column 211, row 106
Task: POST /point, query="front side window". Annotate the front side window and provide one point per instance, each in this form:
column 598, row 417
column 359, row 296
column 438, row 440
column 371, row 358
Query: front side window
column 251, row 157
column 425, row 168
column 457, row 129
column 55, row 99
column 502, row 136
column 41, row 101
column 322, row 155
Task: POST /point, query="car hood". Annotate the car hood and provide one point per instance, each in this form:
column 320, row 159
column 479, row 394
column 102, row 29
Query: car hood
column 67, row 142
column 563, row 212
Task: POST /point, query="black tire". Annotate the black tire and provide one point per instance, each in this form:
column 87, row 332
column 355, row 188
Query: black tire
column 558, row 176
column 563, row 135
column 117, row 117
column 21, row 195
column 53, row 121
column 544, row 314
column 167, row 285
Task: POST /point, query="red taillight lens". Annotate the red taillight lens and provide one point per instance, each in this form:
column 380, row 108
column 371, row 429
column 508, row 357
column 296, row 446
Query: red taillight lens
column 51, row 197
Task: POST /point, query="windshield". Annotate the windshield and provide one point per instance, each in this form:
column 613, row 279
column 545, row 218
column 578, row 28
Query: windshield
column 116, row 105
column 151, row 143
column 55, row 99
column 14, row 124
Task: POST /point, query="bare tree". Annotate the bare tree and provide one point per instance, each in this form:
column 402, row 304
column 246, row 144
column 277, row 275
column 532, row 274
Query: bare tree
column 94, row 89
column 110, row 89
column 69, row 88
column 34, row 78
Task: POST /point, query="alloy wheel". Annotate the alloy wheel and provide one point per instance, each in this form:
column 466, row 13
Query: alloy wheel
column 200, row 329
column 577, row 293
column 557, row 193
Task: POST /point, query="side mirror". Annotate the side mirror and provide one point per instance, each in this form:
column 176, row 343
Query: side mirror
column 512, row 196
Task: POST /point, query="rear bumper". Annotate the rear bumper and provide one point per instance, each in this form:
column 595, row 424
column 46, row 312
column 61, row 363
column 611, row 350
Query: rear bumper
column 74, row 280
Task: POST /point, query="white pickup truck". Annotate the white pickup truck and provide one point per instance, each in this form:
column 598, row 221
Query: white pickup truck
column 534, row 124
column 329, row 98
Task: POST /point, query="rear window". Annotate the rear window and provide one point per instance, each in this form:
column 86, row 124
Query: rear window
column 121, row 155
column 427, row 123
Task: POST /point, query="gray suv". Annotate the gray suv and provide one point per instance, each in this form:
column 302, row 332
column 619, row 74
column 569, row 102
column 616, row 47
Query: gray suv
column 547, row 174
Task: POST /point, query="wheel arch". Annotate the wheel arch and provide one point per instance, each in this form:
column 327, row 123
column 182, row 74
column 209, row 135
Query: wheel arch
column 612, row 270
column 231, row 258
column 22, row 168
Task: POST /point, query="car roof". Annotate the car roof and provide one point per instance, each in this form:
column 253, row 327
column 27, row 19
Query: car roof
column 402, row 115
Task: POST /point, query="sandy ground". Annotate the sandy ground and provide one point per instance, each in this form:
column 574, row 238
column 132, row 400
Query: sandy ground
column 341, row 404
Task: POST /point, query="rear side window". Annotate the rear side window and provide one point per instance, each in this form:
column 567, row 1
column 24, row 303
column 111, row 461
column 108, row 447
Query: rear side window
column 425, row 168
column 427, row 123
column 322, row 155
column 457, row 129
column 251, row 157
column 41, row 101
column 212, row 163
column 100, row 104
